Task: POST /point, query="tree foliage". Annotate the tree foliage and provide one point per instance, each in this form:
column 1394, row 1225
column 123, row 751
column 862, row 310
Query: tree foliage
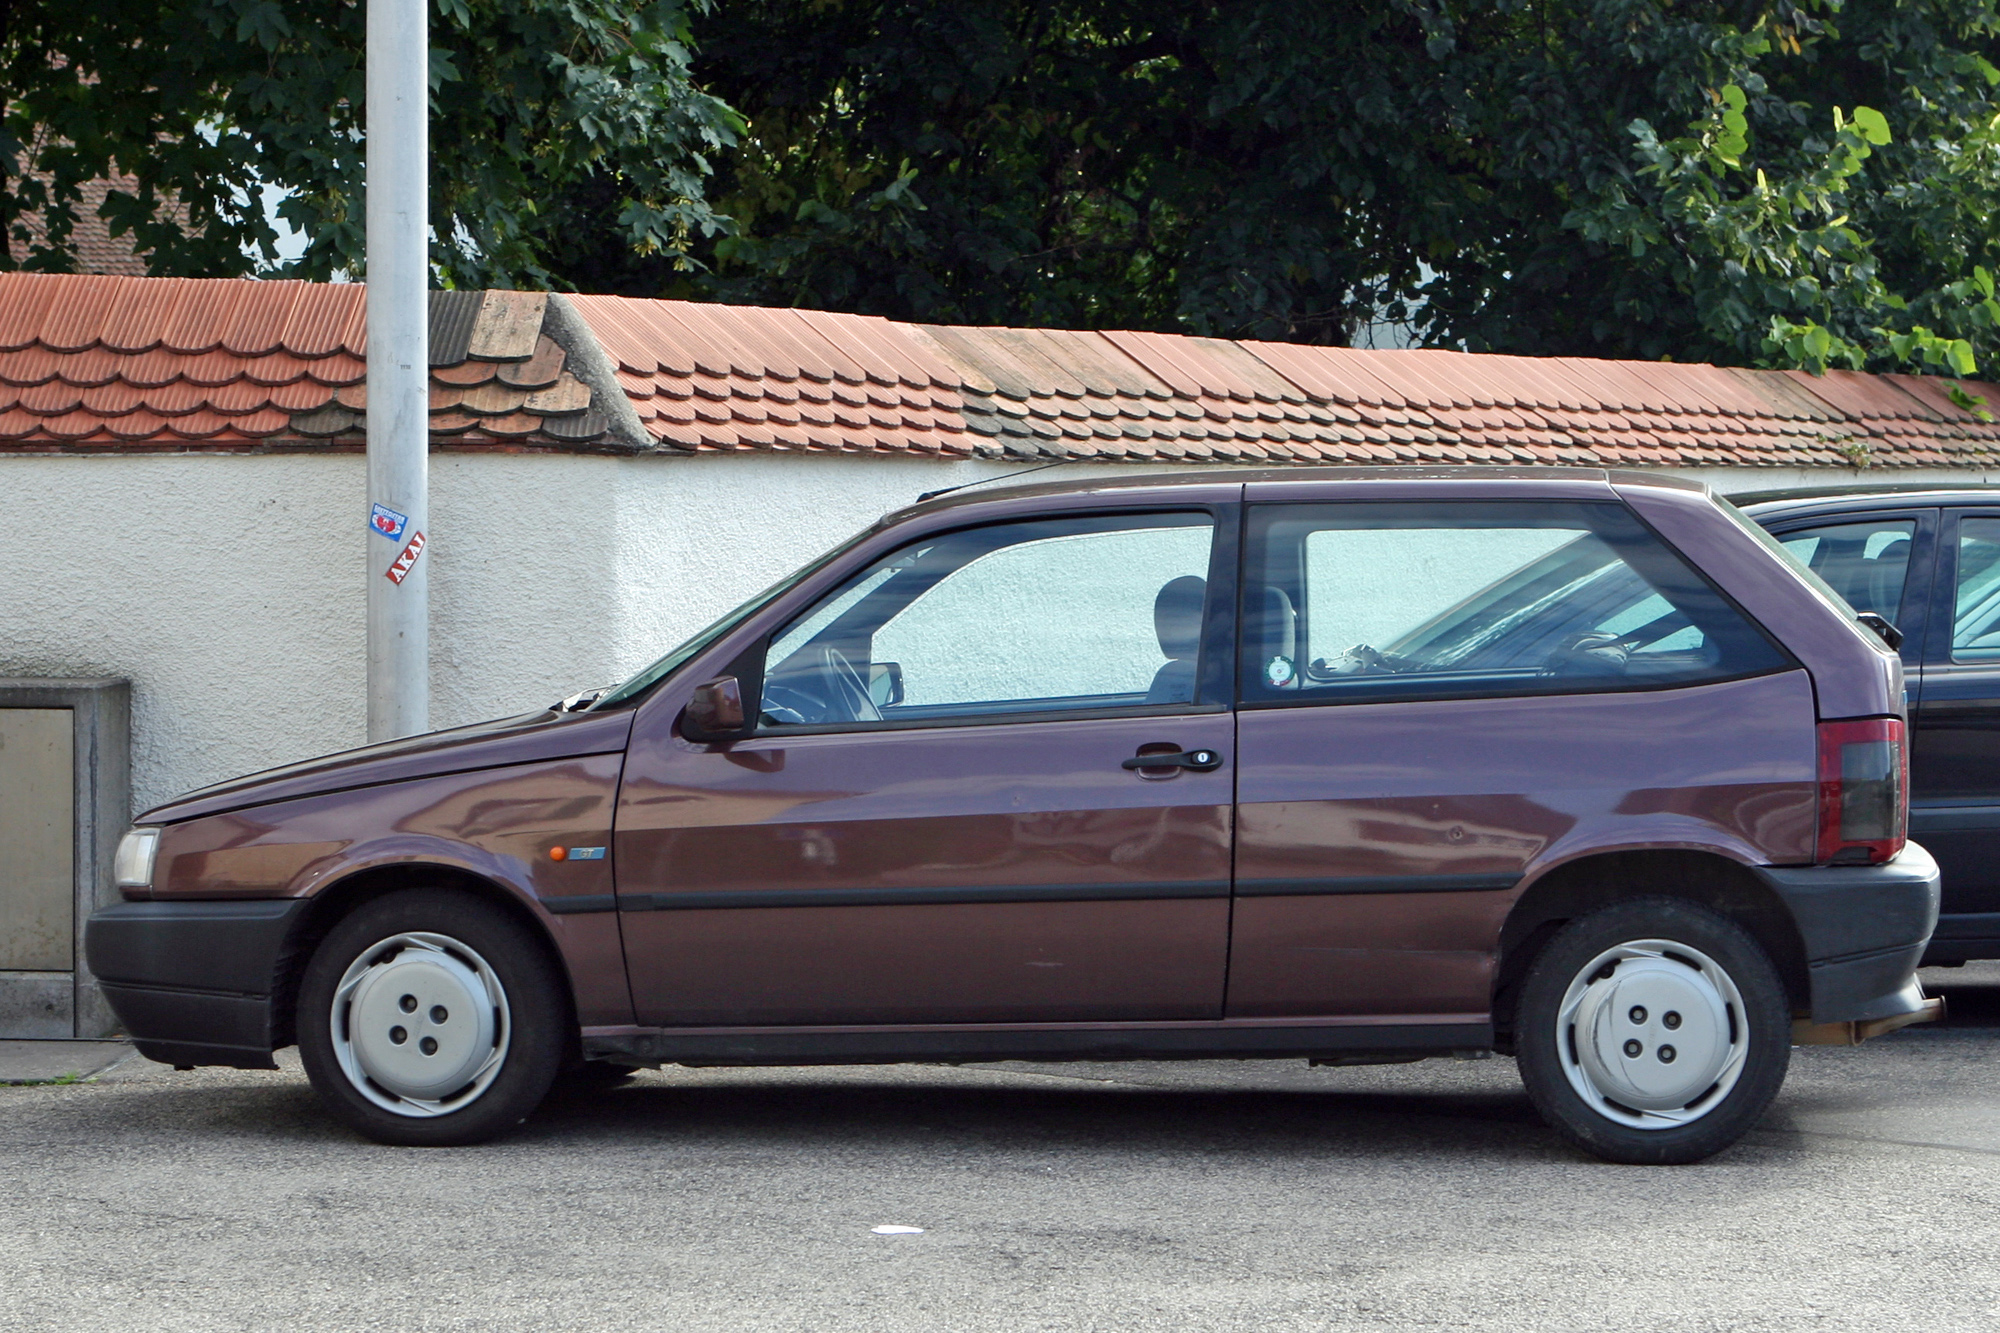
column 206, row 104
column 1788, row 182
column 1748, row 181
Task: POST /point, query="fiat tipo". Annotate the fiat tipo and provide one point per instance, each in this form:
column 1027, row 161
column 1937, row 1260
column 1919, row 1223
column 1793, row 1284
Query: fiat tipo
column 1345, row 766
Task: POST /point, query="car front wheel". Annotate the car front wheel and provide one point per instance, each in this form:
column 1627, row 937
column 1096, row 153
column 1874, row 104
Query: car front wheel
column 431, row 1018
column 1652, row 1032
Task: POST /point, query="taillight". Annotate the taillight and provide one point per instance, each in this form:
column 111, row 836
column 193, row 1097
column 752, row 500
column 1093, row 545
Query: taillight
column 1864, row 807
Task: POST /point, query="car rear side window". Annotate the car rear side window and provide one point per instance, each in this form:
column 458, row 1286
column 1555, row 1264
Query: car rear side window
column 1058, row 615
column 1346, row 602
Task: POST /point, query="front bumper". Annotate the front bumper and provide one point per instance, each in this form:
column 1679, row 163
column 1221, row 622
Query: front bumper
column 193, row 981
column 1864, row 929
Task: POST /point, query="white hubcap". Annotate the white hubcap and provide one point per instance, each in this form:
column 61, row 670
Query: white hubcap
column 1652, row 1034
column 420, row 1024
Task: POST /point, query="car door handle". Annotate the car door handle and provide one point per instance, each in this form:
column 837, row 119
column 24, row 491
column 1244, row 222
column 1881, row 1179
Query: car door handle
column 1201, row 761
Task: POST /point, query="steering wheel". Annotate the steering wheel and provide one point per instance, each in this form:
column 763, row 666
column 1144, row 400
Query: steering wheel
column 848, row 690
column 1592, row 654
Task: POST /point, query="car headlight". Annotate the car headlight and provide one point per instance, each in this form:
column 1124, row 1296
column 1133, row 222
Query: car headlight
column 133, row 867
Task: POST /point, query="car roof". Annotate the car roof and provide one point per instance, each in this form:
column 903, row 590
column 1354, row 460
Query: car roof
column 1097, row 483
column 1766, row 505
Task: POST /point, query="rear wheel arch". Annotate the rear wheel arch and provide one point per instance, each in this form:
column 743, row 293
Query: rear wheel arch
column 1578, row 887
column 338, row 900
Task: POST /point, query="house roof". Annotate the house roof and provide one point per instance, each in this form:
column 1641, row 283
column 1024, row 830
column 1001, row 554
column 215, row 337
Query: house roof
column 97, row 364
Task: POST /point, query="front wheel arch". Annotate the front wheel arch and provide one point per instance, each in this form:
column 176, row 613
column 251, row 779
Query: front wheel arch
column 340, row 899
column 1582, row 886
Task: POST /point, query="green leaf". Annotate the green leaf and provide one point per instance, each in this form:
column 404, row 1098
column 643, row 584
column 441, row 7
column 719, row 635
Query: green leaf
column 1872, row 124
column 1970, row 402
column 1959, row 355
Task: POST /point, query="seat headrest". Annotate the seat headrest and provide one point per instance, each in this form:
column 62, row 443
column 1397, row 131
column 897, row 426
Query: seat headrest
column 1276, row 628
column 1177, row 616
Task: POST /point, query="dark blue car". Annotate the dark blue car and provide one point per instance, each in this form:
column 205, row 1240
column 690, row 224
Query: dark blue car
column 1927, row 560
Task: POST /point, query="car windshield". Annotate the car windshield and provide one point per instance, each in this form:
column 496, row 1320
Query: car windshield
column 646, row 679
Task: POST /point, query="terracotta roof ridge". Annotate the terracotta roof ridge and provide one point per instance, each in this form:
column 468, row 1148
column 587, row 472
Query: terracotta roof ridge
column 586, row 359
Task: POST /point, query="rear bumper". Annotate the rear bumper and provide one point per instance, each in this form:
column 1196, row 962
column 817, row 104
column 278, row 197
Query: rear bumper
column 1865, row 929
column 193, row 981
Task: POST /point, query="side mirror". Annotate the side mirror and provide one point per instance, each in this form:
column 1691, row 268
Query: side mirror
column 885, row 683
column 1884, row 631
column 715, row 713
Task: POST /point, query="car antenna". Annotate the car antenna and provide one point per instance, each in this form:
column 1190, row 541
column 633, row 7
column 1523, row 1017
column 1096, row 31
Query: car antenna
column 1007, row 476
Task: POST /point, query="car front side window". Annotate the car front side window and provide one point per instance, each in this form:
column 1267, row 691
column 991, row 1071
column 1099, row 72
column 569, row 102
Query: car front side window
column 1866, row 563
column 1014, row 618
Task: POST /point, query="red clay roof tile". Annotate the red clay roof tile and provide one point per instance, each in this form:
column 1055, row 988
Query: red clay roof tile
column 538, row 371
column 328, row 317
column 77, row 316
column 126, row 363
column 508, row 326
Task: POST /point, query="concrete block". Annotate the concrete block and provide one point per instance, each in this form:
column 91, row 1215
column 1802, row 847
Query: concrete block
column 37, row 1004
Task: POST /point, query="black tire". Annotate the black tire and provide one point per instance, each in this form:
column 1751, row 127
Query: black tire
column 536, row 1019
column 1553, row 1062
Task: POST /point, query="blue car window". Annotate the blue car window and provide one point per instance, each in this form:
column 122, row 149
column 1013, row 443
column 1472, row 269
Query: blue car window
column 1048, row 615
column 1351, row 601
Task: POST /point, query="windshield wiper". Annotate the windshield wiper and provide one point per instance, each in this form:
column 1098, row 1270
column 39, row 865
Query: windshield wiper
column 581, row 700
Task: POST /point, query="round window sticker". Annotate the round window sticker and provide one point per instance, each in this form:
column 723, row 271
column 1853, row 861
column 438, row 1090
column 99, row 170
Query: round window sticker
column 1278, row 673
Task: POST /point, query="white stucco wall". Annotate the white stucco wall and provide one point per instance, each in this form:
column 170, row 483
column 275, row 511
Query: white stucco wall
column 229, row 589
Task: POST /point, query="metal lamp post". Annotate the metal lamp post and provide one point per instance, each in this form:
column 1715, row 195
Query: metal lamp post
column 398, row 368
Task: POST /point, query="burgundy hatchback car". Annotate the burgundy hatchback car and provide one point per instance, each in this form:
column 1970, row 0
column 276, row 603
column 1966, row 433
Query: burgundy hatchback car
column 1344, row 765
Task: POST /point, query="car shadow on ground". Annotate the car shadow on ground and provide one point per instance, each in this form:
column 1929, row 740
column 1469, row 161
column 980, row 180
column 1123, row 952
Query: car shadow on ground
column 1971, row 1000
column 892, row 1109
column 856, row 1113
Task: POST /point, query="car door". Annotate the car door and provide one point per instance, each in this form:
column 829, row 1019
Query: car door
column 1955, row 750
column 1438, row 695
column 939, row 818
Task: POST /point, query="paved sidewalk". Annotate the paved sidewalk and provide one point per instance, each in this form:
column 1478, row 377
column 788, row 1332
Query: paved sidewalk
column 65, row 1061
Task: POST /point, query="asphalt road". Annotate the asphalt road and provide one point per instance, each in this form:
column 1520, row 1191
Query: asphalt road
column 1115, row 1197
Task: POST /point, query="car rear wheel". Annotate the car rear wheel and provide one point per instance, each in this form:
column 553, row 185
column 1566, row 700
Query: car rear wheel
column 1653, row 1032
column 431, row 1018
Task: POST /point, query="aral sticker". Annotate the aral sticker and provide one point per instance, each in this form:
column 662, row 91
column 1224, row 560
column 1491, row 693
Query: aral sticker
column 407, row 561
column 386, row 522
